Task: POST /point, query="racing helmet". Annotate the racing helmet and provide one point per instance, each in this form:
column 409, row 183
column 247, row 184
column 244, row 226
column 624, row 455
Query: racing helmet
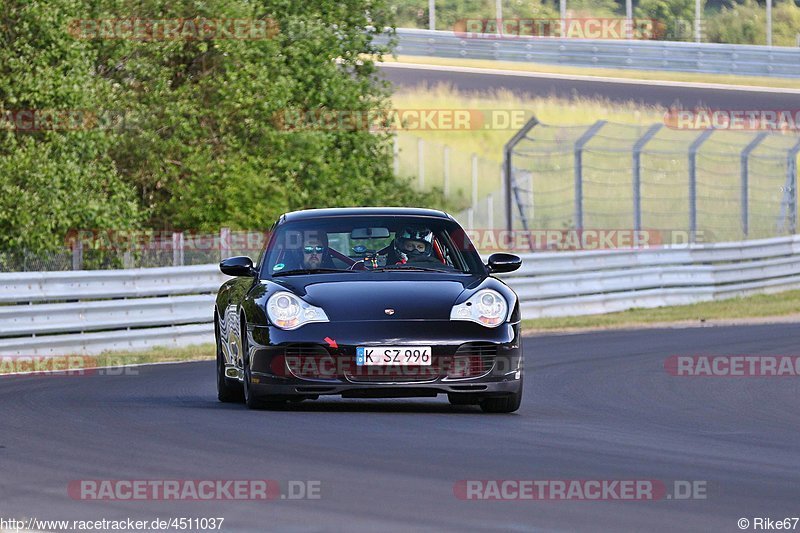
column 418, row 234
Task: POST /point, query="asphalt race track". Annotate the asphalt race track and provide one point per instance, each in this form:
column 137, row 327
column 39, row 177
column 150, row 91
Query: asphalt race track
column 597, row 406
column 650, row 94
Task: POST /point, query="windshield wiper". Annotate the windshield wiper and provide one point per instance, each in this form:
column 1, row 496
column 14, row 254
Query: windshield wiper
column 410, row 267
column 308, row 271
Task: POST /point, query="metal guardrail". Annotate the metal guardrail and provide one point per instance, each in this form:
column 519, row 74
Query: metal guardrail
column 89, row 311
column 711, row 58
column 582, row 283
column 79, row 318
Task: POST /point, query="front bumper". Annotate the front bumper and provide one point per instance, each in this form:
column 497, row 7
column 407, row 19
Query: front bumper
column 319, row 359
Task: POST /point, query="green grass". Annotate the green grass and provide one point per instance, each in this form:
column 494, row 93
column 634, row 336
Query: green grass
column 488, row 144
column 734, row 309
column 198, row 352
column 648, row 75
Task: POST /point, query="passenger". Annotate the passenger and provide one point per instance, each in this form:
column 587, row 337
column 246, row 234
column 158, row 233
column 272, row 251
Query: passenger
column 412, row 245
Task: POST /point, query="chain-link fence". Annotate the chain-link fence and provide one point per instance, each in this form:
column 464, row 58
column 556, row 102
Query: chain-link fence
column 723, row 185
column 711, row 185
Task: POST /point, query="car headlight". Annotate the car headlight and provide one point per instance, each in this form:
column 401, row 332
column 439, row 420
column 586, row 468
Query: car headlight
column 287, row 311
column 487, row 307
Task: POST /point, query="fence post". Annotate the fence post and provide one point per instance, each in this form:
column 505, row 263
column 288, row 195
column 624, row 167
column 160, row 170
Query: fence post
column 693, row 182
column 396, row 155
column 637, row 174
column 177, row 248
column 77, row 254
column 578, row 169
column 489, row 212
column 745, row 175
column 421, row 163
column 470, row 218
column 224, row 243
column 474, row 193
column 508, row 176
column 446, row 161
column 791, row 187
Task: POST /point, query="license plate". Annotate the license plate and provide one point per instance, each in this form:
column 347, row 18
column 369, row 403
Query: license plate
column 393, row 356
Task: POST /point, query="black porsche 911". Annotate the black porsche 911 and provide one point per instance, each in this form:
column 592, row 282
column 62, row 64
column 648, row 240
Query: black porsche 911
column 369, row 303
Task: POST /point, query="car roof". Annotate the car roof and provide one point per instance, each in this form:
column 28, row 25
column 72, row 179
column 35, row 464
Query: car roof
column 363, row 211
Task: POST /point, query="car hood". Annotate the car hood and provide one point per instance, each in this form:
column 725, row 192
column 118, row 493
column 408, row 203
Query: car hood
column 369, row 299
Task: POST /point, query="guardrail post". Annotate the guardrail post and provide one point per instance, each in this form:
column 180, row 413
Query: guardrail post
column 421, row 163
column 791, row 187
column 578, row 169
column 446, row 164
column 637, row 174
column 695, row 146
column 745, row 174
column 508, row 169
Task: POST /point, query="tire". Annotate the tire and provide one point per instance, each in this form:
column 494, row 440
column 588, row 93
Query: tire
column 505, row 404
column 228, row 390
column 250, row 399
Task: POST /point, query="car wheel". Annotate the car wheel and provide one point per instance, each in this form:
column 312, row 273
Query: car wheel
column 505, row 404
column 228, row 390
column 250, row 399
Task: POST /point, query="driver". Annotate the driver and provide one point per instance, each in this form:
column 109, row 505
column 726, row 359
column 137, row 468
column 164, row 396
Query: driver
column 315, row 251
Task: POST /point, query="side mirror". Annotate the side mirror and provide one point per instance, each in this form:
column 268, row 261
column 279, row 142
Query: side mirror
column 502, row 262
column 237, row 266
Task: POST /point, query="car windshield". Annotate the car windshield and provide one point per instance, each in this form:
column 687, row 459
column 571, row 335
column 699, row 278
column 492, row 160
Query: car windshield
column 365, row 244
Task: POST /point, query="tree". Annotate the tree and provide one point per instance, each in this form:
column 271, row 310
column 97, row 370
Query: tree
column 674, row 19
column 208, row 148
column 53, row 178
column 203, row 142
column 745, row 23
